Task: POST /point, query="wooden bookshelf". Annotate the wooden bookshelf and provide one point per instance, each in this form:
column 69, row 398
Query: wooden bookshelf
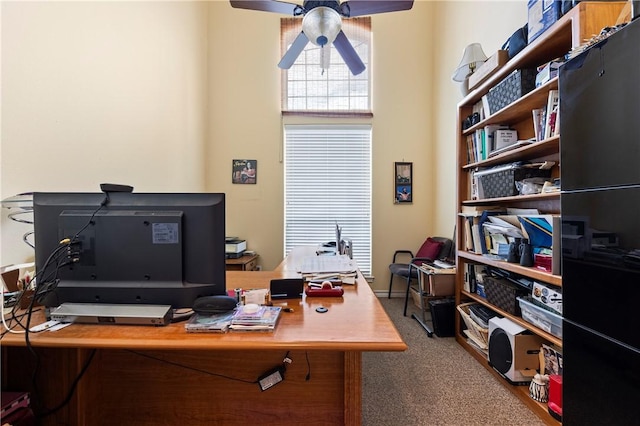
column 581, row 23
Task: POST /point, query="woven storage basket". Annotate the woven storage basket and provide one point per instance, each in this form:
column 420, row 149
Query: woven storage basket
column 477, row 333
column 502, row 293
column 511, row 88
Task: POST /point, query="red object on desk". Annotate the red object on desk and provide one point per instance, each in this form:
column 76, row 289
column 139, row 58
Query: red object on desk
column 327, row 290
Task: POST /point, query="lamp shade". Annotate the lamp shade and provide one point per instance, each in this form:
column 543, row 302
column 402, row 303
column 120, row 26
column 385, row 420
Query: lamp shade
column 472, row 57
column 321, row 25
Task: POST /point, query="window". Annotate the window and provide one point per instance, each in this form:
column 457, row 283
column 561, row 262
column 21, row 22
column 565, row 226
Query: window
column 328, row 181
column 307, row 88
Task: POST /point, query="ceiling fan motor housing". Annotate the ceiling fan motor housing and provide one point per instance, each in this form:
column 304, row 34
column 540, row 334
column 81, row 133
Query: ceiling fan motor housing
column 321, row 25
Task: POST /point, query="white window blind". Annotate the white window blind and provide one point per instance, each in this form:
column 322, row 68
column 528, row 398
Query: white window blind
column 328, row 181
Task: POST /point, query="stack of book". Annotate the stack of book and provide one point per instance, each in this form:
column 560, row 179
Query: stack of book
column 212, row 323
column 264, row 319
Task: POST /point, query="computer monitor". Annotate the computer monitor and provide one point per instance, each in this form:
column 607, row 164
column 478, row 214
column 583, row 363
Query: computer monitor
column 129, row 248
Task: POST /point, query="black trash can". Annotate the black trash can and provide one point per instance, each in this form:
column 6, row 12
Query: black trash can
column 443, row 316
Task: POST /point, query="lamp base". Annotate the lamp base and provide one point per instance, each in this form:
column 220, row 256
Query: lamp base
column 464, row 86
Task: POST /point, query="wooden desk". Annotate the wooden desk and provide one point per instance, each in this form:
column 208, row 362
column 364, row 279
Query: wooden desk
column 244, row 263
column 143, row 375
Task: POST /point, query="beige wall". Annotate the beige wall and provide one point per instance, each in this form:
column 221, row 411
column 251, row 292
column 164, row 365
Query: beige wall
column 164, row 95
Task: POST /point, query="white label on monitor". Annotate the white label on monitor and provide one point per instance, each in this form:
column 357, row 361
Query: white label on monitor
column 165, row 233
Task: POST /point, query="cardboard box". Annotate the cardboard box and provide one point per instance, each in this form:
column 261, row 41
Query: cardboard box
column 541, row 15
column 488, row 68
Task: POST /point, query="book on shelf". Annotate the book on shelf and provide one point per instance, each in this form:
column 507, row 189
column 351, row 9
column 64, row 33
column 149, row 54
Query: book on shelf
column 556, row 128
column 538, row 122
column 471, row 154
column 479, row 108
column 473, row 275
column 475, row 217
column 553, row 101
column 490, row 134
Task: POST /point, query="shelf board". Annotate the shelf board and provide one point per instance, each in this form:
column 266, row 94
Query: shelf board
column 547, row 336
column 514, row 199
column 546, row 147
column 518, row 109
column 533, row 273
column 522, row 392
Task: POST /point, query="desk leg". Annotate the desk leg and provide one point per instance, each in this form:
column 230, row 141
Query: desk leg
column 353, row 388
column 422, row 321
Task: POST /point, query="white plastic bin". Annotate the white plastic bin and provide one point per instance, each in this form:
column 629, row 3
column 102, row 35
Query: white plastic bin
column 540, row 317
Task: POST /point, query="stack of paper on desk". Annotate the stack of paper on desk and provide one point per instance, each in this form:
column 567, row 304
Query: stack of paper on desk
column 343, row 278
column 327, row 264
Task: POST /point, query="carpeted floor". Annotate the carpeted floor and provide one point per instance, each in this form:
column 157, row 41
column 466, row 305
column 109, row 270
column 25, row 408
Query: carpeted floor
column 434, row 382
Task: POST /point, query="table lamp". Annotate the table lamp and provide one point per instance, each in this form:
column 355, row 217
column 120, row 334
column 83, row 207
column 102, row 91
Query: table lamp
column 472, row 57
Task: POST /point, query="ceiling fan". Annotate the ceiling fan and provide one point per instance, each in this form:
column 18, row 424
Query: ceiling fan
column 322, row 25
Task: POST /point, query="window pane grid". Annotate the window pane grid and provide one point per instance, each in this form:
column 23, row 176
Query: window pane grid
column 342, row 91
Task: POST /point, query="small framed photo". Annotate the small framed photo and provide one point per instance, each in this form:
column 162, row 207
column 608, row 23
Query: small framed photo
column 403, row 182
column 244, row 171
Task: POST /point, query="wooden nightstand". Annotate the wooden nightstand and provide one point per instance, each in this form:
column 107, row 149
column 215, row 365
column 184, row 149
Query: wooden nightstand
column 244, row 263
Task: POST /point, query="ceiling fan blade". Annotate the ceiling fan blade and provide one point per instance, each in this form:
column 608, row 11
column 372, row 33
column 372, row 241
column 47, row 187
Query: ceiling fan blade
column 294, row 51
column 353, row 8
column 348, row 53
column 275, row 6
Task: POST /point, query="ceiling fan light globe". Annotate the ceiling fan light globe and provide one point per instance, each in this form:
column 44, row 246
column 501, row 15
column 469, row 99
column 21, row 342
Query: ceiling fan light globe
column 321, row 25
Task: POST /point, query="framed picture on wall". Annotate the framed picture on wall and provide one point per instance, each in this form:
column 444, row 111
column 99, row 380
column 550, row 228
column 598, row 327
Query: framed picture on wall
column 403, row 182
column 244, row 171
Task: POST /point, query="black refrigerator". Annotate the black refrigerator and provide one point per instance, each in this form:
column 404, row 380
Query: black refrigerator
column 600, row 206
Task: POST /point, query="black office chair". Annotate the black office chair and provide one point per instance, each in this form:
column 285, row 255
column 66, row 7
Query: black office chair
column 433, row 248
